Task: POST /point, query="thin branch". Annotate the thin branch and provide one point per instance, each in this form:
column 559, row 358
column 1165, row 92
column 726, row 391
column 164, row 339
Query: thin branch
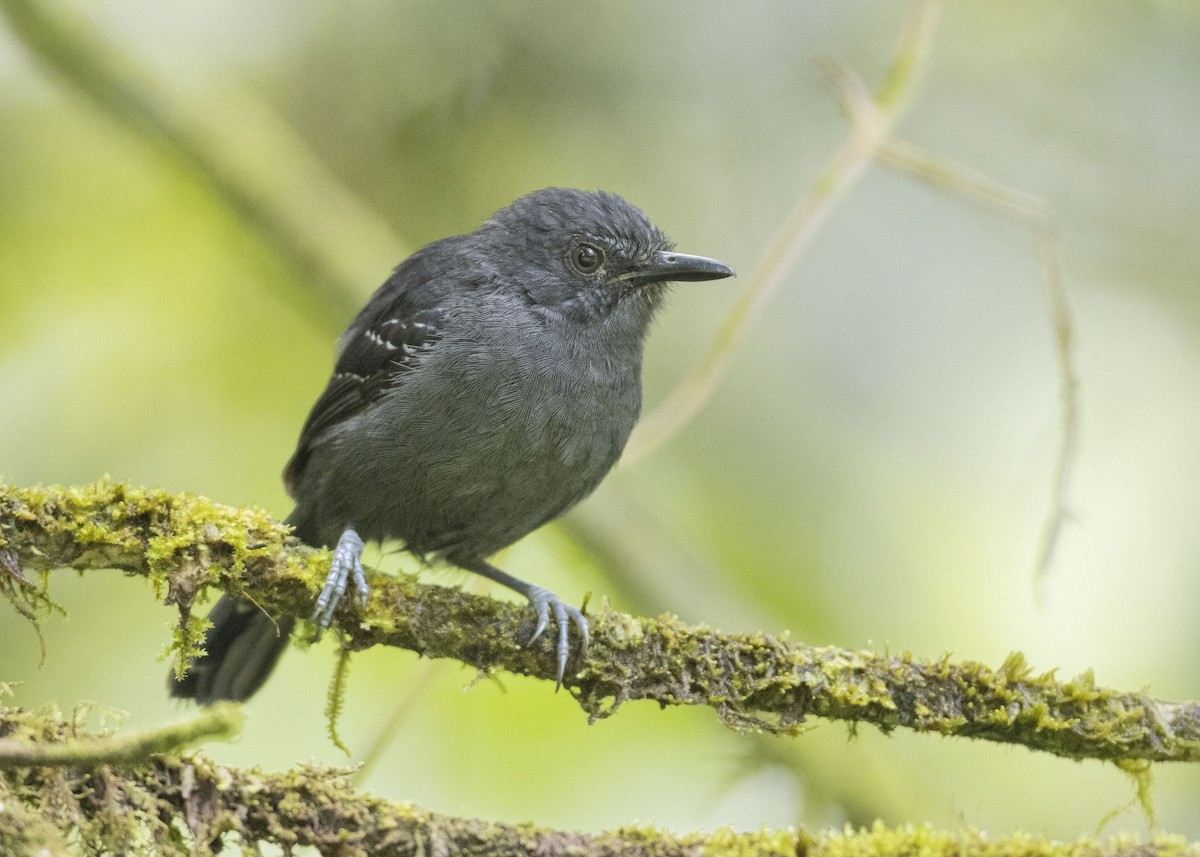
column 873, row 117
column 1035, row 214
column 754, row 682
column 1068, row 446
column 793, row 237
column 221, row 722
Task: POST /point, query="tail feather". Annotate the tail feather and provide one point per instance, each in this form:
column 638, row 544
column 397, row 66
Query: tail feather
column 241, row 648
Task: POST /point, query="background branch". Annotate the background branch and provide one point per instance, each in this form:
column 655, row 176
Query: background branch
column 186, row 805
column 1037, row 215
column 259, row 170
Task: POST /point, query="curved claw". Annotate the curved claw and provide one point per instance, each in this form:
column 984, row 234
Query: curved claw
column 541, row 605
column 346, row 565
column 543, row 601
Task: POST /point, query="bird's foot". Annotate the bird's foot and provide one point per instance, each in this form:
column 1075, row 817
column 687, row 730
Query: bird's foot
column 544, row 602
column 347, row 564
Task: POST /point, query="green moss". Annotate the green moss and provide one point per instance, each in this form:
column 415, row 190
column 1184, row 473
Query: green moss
column 925, row 841
column 336, row 700
column 184, row 544
column 726, row 841
column 66, row 790
column 1141, row 773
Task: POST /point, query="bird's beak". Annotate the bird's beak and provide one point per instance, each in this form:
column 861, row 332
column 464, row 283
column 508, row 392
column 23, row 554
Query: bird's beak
column 678, row 267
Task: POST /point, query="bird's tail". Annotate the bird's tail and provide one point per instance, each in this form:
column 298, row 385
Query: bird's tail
column 240, row 650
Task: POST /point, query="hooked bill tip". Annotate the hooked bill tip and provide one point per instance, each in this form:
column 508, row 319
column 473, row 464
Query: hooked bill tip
column 681, row 267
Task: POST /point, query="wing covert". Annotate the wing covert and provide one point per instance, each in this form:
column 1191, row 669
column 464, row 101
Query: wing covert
column 382, row 345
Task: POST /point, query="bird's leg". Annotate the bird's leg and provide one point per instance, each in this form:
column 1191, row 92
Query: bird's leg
column 347, row 564
column 544, row 602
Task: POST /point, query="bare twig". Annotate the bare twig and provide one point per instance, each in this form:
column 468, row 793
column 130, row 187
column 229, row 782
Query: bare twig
column 1034, row 213
column 793, row 237
column 873, row 117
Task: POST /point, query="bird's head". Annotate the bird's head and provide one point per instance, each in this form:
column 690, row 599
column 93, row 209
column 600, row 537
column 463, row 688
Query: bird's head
column 588, row 256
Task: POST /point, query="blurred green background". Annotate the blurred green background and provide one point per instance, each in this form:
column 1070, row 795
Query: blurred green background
column 875, row 470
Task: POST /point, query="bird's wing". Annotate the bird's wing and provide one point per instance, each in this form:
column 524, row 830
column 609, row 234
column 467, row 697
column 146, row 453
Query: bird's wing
column 400, row 323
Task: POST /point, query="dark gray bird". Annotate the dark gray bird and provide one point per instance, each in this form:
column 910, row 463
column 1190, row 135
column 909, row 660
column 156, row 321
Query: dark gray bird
column 487, row 387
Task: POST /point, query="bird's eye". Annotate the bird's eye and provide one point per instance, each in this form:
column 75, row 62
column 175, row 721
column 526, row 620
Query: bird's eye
column 587, row 258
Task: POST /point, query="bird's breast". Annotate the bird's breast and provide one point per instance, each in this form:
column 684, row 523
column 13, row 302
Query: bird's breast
column 553, row 401
column 490, row 436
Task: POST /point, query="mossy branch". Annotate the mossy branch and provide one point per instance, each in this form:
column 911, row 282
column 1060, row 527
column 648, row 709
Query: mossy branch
column 29, row 751
column 169, row 805
column 755, row 682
